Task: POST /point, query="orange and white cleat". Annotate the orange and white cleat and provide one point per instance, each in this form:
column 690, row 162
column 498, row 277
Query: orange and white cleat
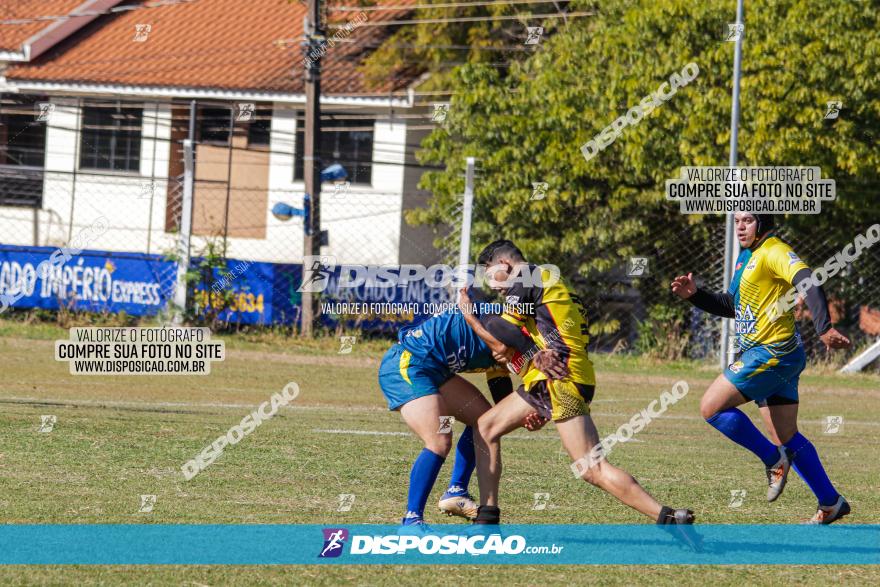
column 777, row 475
column 830, row 513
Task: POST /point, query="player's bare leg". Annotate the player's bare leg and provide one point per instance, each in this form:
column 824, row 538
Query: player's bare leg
column 721, row 395
column 781, row 422
column 719, row 407
column 505, row 416
column 464, row 400
column 457, row 398
column 470, row 406
column 579, row 436
column 422, row 415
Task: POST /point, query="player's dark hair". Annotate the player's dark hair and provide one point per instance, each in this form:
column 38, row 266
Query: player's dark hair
column 498, row 248
column 765, row 222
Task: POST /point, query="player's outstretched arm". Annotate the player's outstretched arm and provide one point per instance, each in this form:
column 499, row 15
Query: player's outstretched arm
column 720, row 304
column 817, row 303
column 547, row 361
column 500, row 351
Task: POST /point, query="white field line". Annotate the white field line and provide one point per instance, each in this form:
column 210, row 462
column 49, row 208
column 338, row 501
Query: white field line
column 159, row 405
column 363, row 432
column 383, row 433
column 146, row 405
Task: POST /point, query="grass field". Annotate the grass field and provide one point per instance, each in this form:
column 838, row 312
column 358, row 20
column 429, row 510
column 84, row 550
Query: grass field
column 117, row 438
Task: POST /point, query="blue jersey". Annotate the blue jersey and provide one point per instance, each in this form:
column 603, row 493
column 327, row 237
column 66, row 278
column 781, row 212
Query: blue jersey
column 446, row 342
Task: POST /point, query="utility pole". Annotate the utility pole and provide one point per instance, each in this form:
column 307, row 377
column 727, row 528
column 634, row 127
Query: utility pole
column 314, row 37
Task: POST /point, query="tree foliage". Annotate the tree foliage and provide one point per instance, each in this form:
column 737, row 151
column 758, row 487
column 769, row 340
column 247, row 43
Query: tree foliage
column 437, row 48
column 527, row 124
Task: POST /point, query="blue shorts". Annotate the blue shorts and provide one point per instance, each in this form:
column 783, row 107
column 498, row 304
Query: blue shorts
column 767, row 377
column 402, row 379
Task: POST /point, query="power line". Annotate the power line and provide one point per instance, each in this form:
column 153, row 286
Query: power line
column 243, row 51
column 368, row 45
column 468, row 19
column 433, row 6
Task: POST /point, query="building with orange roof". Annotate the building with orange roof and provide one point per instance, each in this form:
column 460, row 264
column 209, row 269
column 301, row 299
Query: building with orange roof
column 96, row 98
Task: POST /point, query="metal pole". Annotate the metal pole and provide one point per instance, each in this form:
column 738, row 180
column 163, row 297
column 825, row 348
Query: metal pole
column 228, row 179
column 731, row 245
column 464, row 251
column 76, row 147
column 311, row 165
column 153, row 177
column 183, row 241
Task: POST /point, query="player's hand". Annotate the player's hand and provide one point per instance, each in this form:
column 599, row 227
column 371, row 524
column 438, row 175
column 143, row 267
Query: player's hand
column 464, row 301
column 533, row 422
column 835, row 340
column 550, row 364
column 504, row 357
column 684, row 286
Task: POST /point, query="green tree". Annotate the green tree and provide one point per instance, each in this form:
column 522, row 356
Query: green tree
column 528, row 124
column 437, row 47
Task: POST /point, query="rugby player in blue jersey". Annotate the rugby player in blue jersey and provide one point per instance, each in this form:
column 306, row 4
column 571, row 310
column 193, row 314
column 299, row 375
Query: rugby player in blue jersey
column 772, row 359
column 418, row 378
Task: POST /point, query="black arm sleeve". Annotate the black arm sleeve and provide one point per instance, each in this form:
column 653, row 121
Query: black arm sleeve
column 500, row 387
column 816, row 302
column 506, row 333
column 720, row 304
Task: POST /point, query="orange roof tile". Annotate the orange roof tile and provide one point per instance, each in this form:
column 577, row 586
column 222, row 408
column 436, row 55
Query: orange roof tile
column 13, row 34
column 210, row 44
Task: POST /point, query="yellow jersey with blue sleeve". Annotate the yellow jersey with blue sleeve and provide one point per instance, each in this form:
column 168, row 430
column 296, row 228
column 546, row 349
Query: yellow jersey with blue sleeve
column 760, row 278
column 555, row 318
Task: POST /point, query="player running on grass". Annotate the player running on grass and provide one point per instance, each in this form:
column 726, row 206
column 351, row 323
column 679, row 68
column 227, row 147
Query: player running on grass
column 556, row 321
column 418, row 378
column 772, row 359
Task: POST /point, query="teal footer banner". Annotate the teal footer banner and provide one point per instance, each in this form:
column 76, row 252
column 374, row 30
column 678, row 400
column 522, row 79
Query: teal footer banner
column 267, row 544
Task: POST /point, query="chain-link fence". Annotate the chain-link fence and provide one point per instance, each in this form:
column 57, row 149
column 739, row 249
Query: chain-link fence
column 105, row 182
column 632, row 307
column 853, row 294
column 68, row 163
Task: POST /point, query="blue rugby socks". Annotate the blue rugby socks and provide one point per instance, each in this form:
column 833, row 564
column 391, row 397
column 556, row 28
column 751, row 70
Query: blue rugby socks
column 736, row 426
column 464, row 464
column 421, row 480
column 807, row 464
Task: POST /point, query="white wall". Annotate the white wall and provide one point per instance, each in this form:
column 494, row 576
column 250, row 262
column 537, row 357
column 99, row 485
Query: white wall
column 75, row 198
column 363, row 223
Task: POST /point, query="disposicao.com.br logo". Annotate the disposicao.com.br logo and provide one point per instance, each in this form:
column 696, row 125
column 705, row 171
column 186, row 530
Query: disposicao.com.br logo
column 451, row 544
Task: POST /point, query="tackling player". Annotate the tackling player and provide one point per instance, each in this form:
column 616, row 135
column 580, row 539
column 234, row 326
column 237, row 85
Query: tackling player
column 772, row 359
column 418, row 378
column 557, row 322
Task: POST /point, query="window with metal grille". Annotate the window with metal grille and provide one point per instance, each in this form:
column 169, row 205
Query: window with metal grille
column 23, row 121
column 111, row 137
column 345, row 139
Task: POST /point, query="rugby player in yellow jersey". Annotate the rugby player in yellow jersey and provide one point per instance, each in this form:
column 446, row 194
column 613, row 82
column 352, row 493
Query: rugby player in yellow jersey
column 772, row 359
column 556, row 321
